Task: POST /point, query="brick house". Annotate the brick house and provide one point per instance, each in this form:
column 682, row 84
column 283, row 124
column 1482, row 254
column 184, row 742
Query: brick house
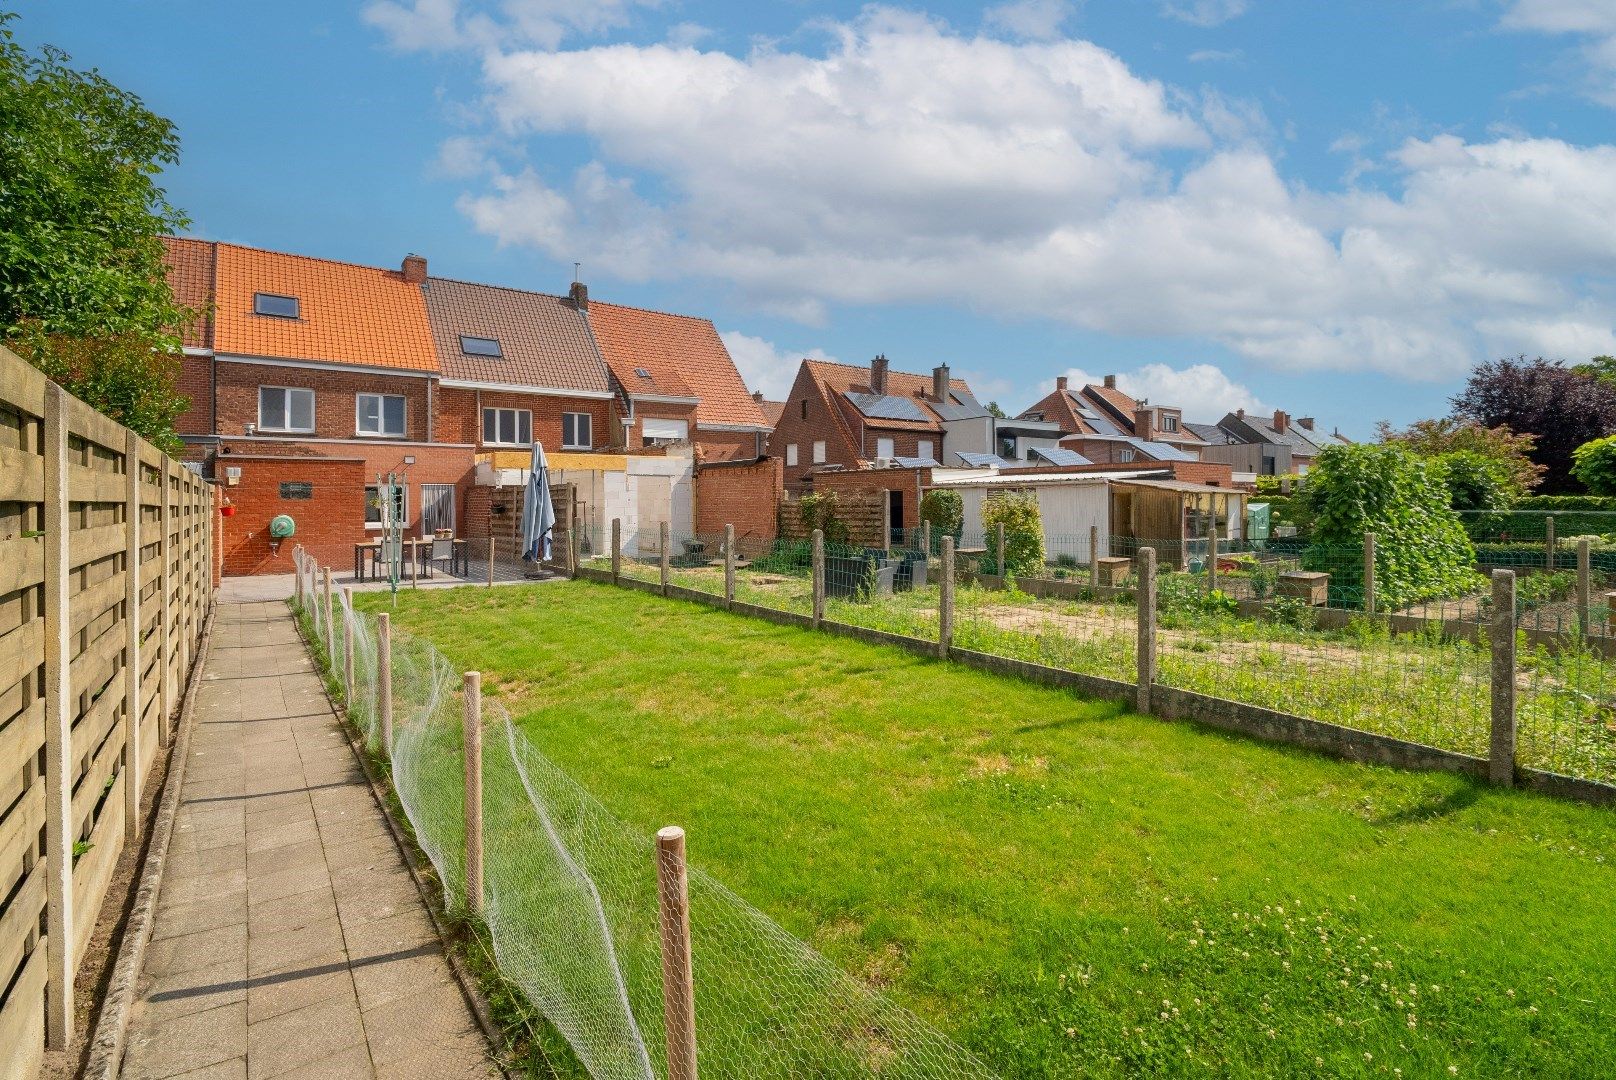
column 1279, row 445
column 1107, row 426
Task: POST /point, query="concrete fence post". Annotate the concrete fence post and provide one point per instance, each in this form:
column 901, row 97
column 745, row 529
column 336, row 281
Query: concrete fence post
column 886, row 522
column 678, row 987
column 998, row 548
column 1584, row 586
column 1147, row 627
column 347, row 647
column 384, row 681
column 666, row 567
column 1094, row 556
column 1212, row 554
column 1549, row 542
column 925, row 538
column 729, row 564
column 572, row 549
column 473, row 736
column 817, row 575
column 1501, row 753
column 945, row 603
column 60, row 760
column 617, row 550
column 1369, row 573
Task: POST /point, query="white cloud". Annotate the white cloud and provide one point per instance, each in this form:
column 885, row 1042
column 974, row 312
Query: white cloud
column 909, row 163
column 1032, row 20
column 437, row 25
column 1206, row 12
column 1593, row 19
column 1203, row 391
column 764, row 366
column 1215, row 56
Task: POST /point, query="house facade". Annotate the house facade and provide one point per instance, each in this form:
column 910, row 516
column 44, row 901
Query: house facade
column 1107, row 426
column 1277, row 445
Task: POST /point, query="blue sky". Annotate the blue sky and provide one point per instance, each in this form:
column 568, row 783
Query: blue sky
column 1333, row 208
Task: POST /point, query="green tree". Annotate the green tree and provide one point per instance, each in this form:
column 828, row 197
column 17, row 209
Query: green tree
column 1421, row 549
column 1475, row 482
column 83, row 290
column 1600, row 367
column 1023, row 531
column 994, row 410
column 1512, row 453
column 944, row 510
column 1594, row 465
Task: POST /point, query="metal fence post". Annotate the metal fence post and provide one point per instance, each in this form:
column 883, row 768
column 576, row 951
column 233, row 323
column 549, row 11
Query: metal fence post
column 617, row 549
column 60, row 761
column 665, row 567
column 945, row 603
column 1584, row 586
column 1549, row 542
column 384, row 680
column 729, row 564
column 1147, row 627
column 678, row 988
column 1501, row 754
column 818, row 575
column 1094, row 556
column 999, row 551
column 1369, row 573
column 473, row 724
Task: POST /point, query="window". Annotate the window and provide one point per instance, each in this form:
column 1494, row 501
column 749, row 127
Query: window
column 661, row 432
column 883, row 448
column 379, row 414
column 819, row 452
column 437, row 508
column 281, row 307
column 804, row 408
column 1169, row 423
column 1009, row 447
column 508, row 427
column 1126, row 455
column 283, row 408
column 923, row 449
column 791, row 454
column 373, row 505
column 576, row 431
column 642, row 373
column 479, row 346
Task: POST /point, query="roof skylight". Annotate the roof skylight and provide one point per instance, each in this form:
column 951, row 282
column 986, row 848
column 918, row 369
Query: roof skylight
column 281, row 307
column 480, row 346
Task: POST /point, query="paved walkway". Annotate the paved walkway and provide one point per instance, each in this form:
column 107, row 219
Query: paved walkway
column 290, row 939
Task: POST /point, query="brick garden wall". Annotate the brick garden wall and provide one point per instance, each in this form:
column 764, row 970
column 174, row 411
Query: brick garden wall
column 325, row 522
column 746, row 496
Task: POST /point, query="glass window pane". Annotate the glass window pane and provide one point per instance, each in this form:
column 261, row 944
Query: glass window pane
column 373, row 505
column 507, row 426
column 587, row 425
column 302, row 409
column 393, row 413
column 271, row 407
column 369, row 413
column 525, row 433
column 490, row 426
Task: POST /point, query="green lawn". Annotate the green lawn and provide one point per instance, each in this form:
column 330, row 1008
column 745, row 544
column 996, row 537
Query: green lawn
column 1061, row 886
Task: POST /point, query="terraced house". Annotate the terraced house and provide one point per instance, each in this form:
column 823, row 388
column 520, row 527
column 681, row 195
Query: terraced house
column 311, row 380
column 1107, row 426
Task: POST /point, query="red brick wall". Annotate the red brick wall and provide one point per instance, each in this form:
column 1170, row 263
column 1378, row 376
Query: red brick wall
column 334, row 391
column 728, row 445
column 660, row 411
column 794, row 428
column 459, row 418
column 745, row 496
column 327, row 524
column 196, row 383
column 865, row 485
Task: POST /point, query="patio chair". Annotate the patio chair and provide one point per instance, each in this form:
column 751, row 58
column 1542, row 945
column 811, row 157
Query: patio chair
column 442, row 552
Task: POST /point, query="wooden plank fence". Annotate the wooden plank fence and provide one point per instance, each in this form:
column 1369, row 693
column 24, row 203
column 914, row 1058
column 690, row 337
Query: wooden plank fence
column 105, row 581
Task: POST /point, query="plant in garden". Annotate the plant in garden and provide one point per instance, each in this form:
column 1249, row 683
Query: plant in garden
column 1509, row 453
column 1421, row 549
column 1474, row 481
column 1018, row 512
column 819, row 512
column 1594, row 465
column 944, row 511
column 1561, row 406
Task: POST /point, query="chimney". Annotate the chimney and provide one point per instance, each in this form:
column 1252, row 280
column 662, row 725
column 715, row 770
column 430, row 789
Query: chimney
column 414, row 269
column 1060, row 382
column 939, row 382
column 757, row 396
column 1110, row 382
column 1241, row 413
column 1282, row 421
column 1144, row 424
column 878, row 375
column 1306, row 422
column 579, row 295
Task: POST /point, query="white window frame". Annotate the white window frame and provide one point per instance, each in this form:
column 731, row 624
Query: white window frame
column 404, row 496
column 924, row 449
column 1125, row 456
column 791, row 455
column 286, row 410
column 516, row 425
column 1170, row 423
column 885, row 448
column 819, row 452
column 381, row 416
column 589, row 422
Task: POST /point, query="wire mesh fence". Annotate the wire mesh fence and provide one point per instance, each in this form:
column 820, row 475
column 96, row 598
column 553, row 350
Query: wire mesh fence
column 570, row 896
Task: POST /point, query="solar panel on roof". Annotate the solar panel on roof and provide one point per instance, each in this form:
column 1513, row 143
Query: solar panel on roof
column 917, row 462
column 888, row 407
column 983, row 461
column 1059, row 455
column 1162, row 451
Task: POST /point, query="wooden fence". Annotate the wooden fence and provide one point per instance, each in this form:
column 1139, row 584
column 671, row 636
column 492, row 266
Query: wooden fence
column 105, row 582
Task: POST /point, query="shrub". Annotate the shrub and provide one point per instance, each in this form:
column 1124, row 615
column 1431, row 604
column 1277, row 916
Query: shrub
column 944, row 511
column 1422, row 550
column 819, row 512
column 1018, row 512
column 1594, row 465
column 1474, row 481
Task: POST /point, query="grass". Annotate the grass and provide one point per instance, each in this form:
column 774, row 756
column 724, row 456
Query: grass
column 1061, row 886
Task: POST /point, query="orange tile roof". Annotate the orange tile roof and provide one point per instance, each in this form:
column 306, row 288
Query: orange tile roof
column 348, row 314
column 772, row 411
column 837, row 379
column 190, row 279
column 684, row 357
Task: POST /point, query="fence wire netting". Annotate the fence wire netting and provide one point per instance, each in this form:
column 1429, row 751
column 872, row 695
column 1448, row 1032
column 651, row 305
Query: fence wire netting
column 570, row 897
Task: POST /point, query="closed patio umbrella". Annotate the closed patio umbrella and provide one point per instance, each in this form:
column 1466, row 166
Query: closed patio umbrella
column 538, row 513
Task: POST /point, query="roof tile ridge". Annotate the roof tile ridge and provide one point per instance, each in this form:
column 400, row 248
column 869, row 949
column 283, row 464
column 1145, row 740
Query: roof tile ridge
column 503, row 288
column 307, row 258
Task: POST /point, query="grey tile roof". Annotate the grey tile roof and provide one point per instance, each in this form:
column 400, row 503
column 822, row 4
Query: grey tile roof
column 544, row 339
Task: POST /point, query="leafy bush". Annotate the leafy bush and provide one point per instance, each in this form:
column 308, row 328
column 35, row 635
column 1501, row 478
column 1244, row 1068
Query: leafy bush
column 1589, row 503
column 1018, row 512
column 944, row 510
column 1422, row 550
column 1474, row 481
column 819, row 512
column 1594, row 465
column 1537, row 588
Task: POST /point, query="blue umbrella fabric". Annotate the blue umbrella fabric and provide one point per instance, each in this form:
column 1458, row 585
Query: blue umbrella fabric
column 538, row 512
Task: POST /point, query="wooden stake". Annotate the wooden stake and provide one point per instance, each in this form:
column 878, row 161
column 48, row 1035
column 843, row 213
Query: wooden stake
column 1212, row 550
column 59, row 758
column 1501, row 753
column 384, row 680
column 330, row 642
column 678, row 986
column 1584, row 585
column 1094, row 556
column 665, row 567
column 1147, row 627
column 617, row 549
column 817, row 576
column 474, row 790
column 490, row 552
column 945, row 602
column 998, row 531
column 729, row 564
column 347, row 649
